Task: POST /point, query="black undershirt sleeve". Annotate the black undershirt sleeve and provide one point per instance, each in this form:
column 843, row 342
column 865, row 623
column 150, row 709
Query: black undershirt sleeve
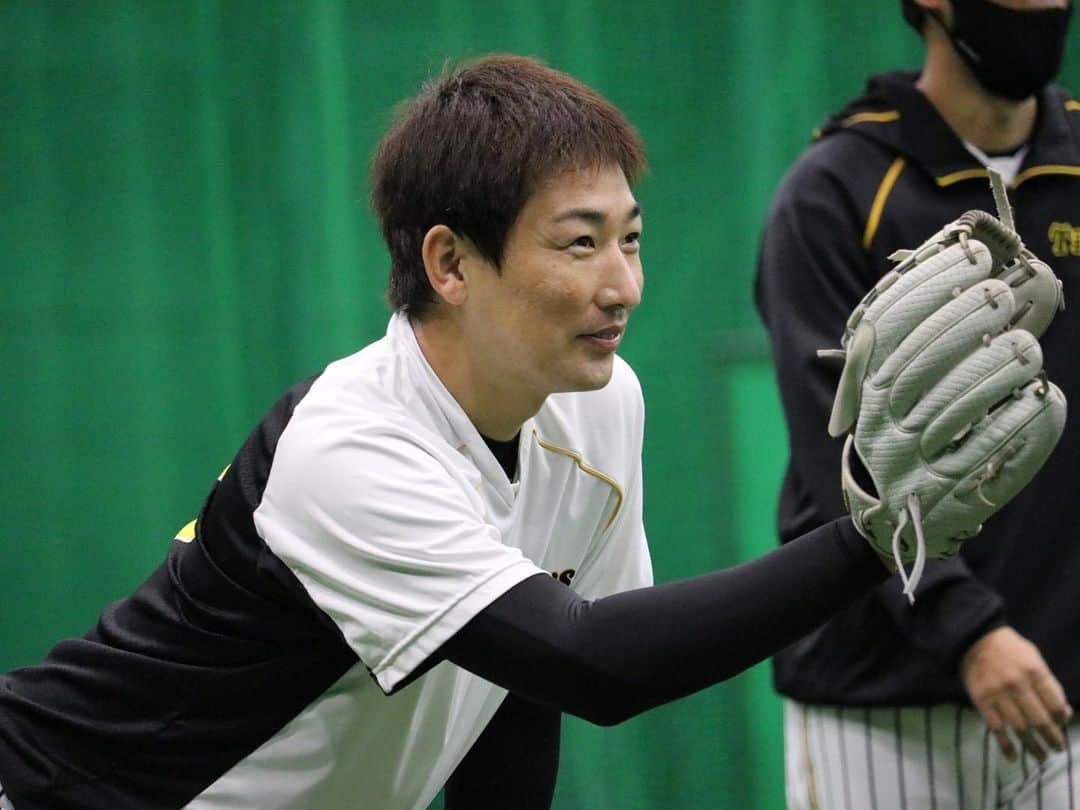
column 610, row 659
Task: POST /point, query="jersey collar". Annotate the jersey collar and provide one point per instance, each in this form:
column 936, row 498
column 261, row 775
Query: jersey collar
column 894, row 112
column 456, row 427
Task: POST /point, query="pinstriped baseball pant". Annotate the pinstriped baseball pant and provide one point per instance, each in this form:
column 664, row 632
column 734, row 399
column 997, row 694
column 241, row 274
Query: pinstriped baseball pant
column 938, row 757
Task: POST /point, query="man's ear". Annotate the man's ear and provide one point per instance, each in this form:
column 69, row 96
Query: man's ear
column 443, row 252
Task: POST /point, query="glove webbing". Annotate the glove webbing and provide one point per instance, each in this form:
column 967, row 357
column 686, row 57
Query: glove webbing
column 1001, row 200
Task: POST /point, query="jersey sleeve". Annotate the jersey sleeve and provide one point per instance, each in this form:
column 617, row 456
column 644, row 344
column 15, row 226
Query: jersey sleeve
column 388, row 537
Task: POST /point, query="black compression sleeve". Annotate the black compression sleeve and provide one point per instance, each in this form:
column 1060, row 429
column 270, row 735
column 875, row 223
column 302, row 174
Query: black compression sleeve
column 610, row 659
column 513, row 765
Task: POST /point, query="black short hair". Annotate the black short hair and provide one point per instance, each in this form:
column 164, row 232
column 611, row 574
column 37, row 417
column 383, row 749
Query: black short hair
column 471, row 147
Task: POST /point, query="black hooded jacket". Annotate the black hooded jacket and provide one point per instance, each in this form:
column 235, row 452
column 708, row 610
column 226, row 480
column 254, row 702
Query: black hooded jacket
column 885, row 173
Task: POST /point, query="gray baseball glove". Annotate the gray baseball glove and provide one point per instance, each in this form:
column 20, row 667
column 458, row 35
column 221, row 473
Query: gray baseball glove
column 943, row 393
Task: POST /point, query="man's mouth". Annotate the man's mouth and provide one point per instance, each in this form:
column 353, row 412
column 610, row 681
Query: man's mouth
column 610, row 333
column 606, row 339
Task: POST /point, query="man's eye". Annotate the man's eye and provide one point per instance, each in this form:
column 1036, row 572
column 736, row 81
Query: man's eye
column 632, row 238
column 583, row 241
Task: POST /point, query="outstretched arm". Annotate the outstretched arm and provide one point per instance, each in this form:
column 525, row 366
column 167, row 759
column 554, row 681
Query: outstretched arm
column 610, row 659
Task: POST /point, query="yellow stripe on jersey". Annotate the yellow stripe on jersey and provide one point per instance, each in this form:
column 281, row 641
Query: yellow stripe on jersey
column 872, row 117
column 224, row 471
column 585, row 468
column 1036, row 171
column 956, row 177
column 1072, row 104
column 1026, row 174
column 878, row 206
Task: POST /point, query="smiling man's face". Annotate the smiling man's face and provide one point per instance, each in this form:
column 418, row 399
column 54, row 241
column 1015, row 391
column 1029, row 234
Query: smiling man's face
column 551, row 319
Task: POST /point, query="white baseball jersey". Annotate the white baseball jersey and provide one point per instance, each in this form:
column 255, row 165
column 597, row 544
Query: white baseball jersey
column 364, row 522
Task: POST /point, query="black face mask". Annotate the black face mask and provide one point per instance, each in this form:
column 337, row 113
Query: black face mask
column 1013, row 54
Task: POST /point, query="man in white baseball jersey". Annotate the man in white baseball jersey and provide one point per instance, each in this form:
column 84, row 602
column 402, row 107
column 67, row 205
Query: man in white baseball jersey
column 373, row 601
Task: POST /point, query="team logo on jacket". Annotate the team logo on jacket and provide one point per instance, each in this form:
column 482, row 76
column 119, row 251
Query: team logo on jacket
column 1064, row 238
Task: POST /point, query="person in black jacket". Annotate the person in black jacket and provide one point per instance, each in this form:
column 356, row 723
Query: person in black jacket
column 932, row 705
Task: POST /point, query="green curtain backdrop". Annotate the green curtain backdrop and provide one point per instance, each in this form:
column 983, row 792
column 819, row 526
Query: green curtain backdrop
column 184, row 233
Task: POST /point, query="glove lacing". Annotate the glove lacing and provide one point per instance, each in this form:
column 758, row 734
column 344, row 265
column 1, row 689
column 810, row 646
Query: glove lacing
column 911, row 513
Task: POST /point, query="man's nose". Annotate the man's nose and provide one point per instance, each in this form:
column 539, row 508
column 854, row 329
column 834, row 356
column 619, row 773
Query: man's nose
column 622, row 283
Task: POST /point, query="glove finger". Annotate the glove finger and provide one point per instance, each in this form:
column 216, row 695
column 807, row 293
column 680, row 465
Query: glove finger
column 943, row 340
column 1037, row 292
column 972, row 388
column 919, row 292
column 1002, row 452
column 997, row 458
column 898, row 303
